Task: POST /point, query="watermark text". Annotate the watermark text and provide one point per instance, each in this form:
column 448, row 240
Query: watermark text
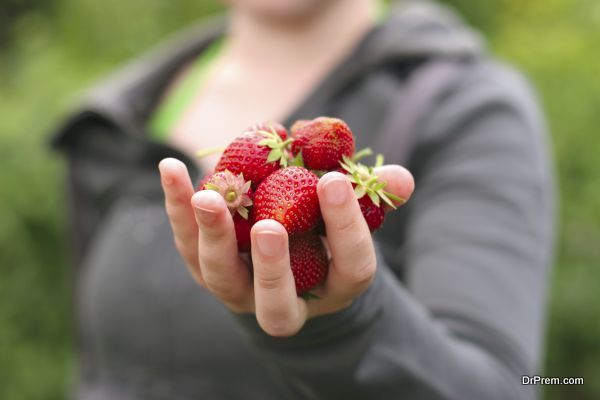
column 544, row 380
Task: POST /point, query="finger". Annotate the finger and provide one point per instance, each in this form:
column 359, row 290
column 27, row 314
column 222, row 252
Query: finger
column 348, row 236
column 279, row 311
column 178, row 190
column 224, row 273
column 398, row 181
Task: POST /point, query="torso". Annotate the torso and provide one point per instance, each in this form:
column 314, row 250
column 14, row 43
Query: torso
column 148, row 330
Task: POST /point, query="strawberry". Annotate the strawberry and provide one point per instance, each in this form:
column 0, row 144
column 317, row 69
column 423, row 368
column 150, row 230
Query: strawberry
column 322, row 142
column 369, row 191
column 308, row 259
column 256, row 154
column 289, row 196
column 373, row 213
column 242, row 231
column 238, row 196
column 269, row 126
column 298, row 124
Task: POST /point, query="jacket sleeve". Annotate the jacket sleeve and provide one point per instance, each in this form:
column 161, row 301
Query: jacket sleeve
column 467, row 323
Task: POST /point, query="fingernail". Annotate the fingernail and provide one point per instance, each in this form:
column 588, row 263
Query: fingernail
column 270, row 243
column 336, row 191
column 207, row 216
column 166, row 180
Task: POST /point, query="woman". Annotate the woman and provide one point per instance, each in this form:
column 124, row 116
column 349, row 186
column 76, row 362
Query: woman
column 452, row 307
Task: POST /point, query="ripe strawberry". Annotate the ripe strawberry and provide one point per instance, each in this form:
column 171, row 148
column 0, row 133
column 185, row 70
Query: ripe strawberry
column 298, row 124
column 369, row 191
column 289, row 196
column 270, row 126
column 238, row 196
column 374, row 214
column 242, row 231
column 308, row 259
column 256, row 154
column 323, row 142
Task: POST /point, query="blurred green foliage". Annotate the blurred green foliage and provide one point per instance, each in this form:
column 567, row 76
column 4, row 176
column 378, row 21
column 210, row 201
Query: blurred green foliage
column 50, row 50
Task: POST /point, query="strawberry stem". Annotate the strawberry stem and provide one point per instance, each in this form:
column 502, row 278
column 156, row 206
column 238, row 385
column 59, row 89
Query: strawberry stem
column 362, row 154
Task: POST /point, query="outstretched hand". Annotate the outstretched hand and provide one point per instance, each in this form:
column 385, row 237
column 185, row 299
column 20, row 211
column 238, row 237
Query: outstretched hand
column 205, row 237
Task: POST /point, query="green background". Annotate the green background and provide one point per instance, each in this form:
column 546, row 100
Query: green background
column 51, row 49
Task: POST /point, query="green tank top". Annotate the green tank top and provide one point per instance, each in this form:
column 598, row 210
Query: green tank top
column 172, row 107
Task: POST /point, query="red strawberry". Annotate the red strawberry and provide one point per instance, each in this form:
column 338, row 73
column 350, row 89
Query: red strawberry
column 269, row 126
column 242, row 231
column 256, row 154
column 323, row 142
column 238, row 196
column 298, row 124
column 369, row 191
column 289, row 196
column 374, row 214
column 308, row 259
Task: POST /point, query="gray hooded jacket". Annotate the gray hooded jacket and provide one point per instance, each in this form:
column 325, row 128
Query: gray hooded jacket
column 457, row 308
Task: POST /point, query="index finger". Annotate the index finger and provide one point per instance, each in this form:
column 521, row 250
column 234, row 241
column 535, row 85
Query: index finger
column 178, row 190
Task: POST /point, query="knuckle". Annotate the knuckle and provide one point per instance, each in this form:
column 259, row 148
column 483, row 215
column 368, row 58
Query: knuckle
column 224, row 291
column 213, row 237
column 269, row 280
column 360, row 241
column 364, row 273
column 174, row 202
column 346, row 225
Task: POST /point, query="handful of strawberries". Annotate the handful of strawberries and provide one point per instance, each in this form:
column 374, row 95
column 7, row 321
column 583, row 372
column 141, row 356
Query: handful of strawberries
column 266, row 174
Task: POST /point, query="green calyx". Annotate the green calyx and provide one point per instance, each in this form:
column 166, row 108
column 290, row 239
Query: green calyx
column 367, row 182
column 297, row 161
column 309, row 296
column 362, row 154
column 279, row 148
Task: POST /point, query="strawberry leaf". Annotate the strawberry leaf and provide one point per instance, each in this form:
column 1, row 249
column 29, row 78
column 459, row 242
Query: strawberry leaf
column 393, row 197
column 360, row 191
column 362, row 154
column 374, row 198
column 274, row 155
column 243, row 211
column 309, row 296
column 297, row 161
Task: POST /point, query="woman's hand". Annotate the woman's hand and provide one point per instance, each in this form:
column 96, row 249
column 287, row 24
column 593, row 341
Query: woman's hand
column 205, row 237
